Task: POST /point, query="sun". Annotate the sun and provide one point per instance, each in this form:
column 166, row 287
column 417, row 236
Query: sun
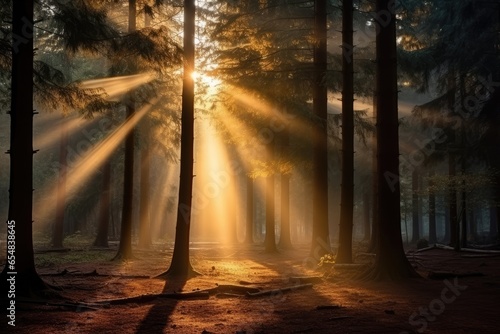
column 205, row 80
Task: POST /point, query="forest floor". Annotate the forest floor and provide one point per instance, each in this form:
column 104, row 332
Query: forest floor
column 334, row 304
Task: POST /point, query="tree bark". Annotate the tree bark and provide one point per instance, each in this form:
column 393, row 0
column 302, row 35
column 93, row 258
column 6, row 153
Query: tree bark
column 101, row 239
column 250, row 208
column 144, row 201
column 28, row 283
column 270, row 239
column 366, row 214
column 344, row 254
column 390, row 262
column 415, row 206
column 285, row 237
column 320, row 234
column 432, row 210
column 375, row 226
column 180, row 265
column 125, row 247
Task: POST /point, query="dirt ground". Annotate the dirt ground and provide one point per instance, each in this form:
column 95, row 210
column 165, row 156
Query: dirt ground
column 335, row 304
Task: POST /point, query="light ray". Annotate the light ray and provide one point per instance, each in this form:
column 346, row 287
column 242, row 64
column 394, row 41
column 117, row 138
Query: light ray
column 87, row 164
column 117, row 86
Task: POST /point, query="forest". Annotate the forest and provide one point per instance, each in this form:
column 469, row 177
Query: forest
column 253, row 166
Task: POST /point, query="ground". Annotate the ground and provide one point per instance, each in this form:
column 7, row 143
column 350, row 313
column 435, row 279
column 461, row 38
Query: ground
column 335, row 304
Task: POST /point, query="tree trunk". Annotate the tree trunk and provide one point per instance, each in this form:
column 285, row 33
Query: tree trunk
column 432, row 210
column 270, row 239
column 144, row 200
column 344, row 254
column 180, row 265
column 125, row 247
column 145, row 206
column 28, row 283
column 101, row 239
column 320, row 234
column 58, row 228
column 372, row 247
column 250, row 208
column 391, row 261
column 452, row 192
column 285, row 238
column 414, row 205
column 366, row 214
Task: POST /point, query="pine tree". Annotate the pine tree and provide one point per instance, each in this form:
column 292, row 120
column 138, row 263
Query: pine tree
column 391, row 261
column 180, row 265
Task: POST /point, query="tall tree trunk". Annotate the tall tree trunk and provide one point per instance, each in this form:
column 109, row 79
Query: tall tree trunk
column 414, row 206
column 101, row 239
column 366, row 214
column 180, row 265
column 27, row 281
column 320, row 234
column 58, row 228
column 144, row 200
column 372, row 247
column 270, row 239
column 344, row 254
column 250, row 208
column 452, row 192
column 391, row 261
column 432, row 210
column 125, row 247
column 285, row 237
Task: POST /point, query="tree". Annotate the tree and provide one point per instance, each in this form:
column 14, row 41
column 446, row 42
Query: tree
column 432, row 209
column 20, row 219
column 391, row 261
column 125, row 246
column 415, row 206
column 320, row 235
column 270, row 239
column 180, row 265
column 249, row 211
column 101, row 239
column 344, row 254
column 285, row 241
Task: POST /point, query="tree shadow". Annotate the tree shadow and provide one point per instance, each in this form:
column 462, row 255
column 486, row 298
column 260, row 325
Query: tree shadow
column 159, row 315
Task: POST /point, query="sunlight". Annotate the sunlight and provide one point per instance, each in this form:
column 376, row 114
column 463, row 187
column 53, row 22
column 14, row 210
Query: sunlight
column 215, row 200
column 117, row 86
column 86, row 164
column 52, row 135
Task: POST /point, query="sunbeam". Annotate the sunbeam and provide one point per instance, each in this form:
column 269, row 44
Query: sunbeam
column 117, row 86
column 88, row 163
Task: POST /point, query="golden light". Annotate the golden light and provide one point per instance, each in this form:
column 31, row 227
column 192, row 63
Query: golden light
column 117, row 86
column 86, row 164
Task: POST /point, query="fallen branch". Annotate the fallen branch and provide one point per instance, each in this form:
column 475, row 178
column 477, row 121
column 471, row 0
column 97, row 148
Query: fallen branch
column 94, row 273
column 78, row 307
column 279, row 291
column 148, row 298
column 232, row 289
column 471, row 250
column 227, row 295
